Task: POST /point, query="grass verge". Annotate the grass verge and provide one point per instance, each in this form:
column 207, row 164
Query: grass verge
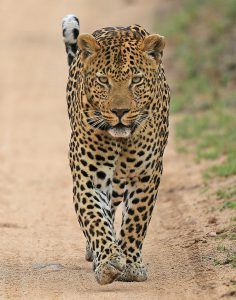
column 202, row 34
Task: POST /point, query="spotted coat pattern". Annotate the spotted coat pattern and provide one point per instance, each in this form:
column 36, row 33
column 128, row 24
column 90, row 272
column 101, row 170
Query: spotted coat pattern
column 119, row 126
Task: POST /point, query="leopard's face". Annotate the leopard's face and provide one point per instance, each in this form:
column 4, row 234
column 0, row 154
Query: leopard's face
column 120, row 82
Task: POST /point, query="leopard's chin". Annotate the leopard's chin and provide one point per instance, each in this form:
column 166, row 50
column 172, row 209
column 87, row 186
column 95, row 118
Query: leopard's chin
column 119, row 131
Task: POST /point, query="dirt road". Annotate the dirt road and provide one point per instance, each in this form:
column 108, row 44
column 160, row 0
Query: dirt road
column 41, row 244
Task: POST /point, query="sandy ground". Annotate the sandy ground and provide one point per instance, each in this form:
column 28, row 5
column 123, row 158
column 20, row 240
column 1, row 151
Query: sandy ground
column 41, row 244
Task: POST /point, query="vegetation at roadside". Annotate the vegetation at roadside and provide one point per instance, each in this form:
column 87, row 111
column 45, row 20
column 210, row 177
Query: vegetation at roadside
column 229, row 193
column 202, row 35
column 228, row 256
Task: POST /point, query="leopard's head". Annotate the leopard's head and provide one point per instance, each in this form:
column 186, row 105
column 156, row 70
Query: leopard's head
column 119, row 75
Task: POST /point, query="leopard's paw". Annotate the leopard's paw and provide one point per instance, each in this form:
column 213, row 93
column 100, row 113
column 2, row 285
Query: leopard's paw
column 133, row 272
column 106, row 272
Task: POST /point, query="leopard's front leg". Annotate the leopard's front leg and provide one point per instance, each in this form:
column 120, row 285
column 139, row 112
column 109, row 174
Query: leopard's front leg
column 92, row 199
column 137, row 211
column 118, row 189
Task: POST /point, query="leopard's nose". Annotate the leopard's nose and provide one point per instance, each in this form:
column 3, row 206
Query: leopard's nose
column 120, row 112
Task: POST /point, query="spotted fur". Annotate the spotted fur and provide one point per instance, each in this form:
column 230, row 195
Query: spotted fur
column 118, row 105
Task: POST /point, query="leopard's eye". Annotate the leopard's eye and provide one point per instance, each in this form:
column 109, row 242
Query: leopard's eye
column 137, row 79
column 102, row 79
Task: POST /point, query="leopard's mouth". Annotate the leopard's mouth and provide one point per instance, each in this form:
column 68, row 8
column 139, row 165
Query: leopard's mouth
column 120, row 131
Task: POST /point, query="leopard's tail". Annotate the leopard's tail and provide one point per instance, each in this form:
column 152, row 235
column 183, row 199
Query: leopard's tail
column 70, row 32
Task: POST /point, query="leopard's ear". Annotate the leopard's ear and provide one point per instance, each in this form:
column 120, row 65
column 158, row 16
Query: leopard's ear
column 88, row 45
column 153, row 45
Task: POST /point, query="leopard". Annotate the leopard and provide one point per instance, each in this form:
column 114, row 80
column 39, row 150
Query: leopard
column 118, row 103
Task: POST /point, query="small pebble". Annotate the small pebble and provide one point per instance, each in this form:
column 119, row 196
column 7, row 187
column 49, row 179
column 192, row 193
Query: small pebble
column 212, row 234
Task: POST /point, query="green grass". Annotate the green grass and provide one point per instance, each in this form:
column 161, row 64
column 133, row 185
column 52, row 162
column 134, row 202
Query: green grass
column 216, row 262
column 232, row 236
column 202, row 34
column 226, row 235
column 233, row 261
column 222, row 248
column 213, row 135
column 227, row 193
column 229, row 204
column 230, row 257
